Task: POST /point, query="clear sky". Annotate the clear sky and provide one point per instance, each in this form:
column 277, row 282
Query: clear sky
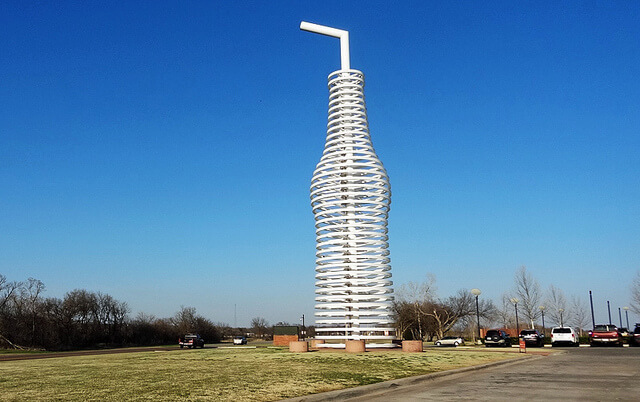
column 162, row 152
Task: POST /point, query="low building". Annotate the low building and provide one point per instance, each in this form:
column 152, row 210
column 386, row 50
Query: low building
column 282, row 335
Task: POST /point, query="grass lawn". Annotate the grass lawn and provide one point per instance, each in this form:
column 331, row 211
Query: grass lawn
column 263, row 374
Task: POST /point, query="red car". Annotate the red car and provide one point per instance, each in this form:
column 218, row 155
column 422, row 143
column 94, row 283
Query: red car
column 605, row 334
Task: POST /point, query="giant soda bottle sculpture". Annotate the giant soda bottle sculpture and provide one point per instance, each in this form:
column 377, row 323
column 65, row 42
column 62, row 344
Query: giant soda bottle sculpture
column 350, row 197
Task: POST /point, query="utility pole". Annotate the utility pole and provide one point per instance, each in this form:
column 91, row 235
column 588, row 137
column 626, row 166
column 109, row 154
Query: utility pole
column 515, row 301
column 476, row 293
column 620, row 315
column 593, row 317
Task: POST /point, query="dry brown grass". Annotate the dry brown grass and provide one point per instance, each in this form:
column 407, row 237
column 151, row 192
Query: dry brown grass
column 217, row 374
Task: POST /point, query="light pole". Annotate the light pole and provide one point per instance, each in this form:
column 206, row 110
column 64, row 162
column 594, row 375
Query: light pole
column 542, row 311
column 593, row 317
column 609, row 310
column 304, row 333
column 620, row 316
column 476, row 293
column 626, row 312
column 561, row 310
column 515, row 304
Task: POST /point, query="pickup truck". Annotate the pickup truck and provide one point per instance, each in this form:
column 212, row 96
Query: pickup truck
column 191, row 341
column 605, row 334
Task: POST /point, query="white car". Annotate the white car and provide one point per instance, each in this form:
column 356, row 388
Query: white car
column 450, row 341
column 564, row 335
column 239, row 340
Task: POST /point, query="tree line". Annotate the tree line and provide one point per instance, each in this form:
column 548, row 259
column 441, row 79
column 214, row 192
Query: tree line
column 421, row 314
column 83, row 319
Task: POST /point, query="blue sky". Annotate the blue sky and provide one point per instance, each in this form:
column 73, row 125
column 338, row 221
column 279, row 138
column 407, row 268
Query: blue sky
column 162, row 152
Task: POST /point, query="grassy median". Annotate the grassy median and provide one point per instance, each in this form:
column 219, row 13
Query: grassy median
column 263, row 374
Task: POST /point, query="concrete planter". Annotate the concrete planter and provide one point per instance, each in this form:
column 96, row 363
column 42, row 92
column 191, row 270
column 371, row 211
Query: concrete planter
column 315, row 343
column 355, row 347
column 412, row 346
column 298, row 346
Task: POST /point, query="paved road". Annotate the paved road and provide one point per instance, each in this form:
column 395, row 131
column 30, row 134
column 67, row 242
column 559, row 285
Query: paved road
column 48, row 355
column 592, row 374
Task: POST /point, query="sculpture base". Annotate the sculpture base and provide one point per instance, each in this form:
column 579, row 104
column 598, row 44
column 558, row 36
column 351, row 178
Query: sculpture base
column 367, row 345
column 355, row 347
column 298, row 346
column 412, row 346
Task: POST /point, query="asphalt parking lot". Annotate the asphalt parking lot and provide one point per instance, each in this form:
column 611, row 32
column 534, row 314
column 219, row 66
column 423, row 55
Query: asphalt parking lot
column 592, row 374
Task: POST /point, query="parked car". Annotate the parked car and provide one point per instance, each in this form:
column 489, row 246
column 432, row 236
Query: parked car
column 532, row 337
column 239, row 340
column 635, row 339
column 564, row 336
column 191, row 341
column 450, row 341
column 605, row 334
column 497, row 337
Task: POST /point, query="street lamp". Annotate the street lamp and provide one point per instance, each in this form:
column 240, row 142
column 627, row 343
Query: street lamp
column 542, row 311
column 593, row 317
column 304, row 333
column 476, row 293
column 620, row 316
column 515, row 301
column 609, row 310
column 626, row 312
column 561, row 310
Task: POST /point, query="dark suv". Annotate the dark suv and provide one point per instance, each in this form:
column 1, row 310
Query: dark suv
column 634, row 340
column 497, row 337
column 532, row 337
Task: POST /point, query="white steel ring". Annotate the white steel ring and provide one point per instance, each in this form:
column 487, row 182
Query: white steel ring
column 350, row 198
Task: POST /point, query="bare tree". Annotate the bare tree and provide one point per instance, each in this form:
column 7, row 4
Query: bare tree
column 488, row 310
column 635, row 294
column 418, row 310
column 528, row 292
column 259, row 326
column 505, row 312
column 404, row 318
column 416, row 295
column 579, row 315
column 7, row 291
column 556, row 305
column 225, row 330
column 488, row 314
column 84, row 319
column 185, row 320
column 447, row 313
column 32, row 290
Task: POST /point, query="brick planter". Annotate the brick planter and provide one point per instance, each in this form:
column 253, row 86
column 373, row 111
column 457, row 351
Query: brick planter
column 355, row 347
column 315, row 343
column 298, row 346
column 412, row 346
column 283, row 340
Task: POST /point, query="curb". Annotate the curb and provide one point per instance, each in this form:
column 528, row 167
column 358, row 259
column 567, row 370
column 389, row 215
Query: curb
column 342, row 394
